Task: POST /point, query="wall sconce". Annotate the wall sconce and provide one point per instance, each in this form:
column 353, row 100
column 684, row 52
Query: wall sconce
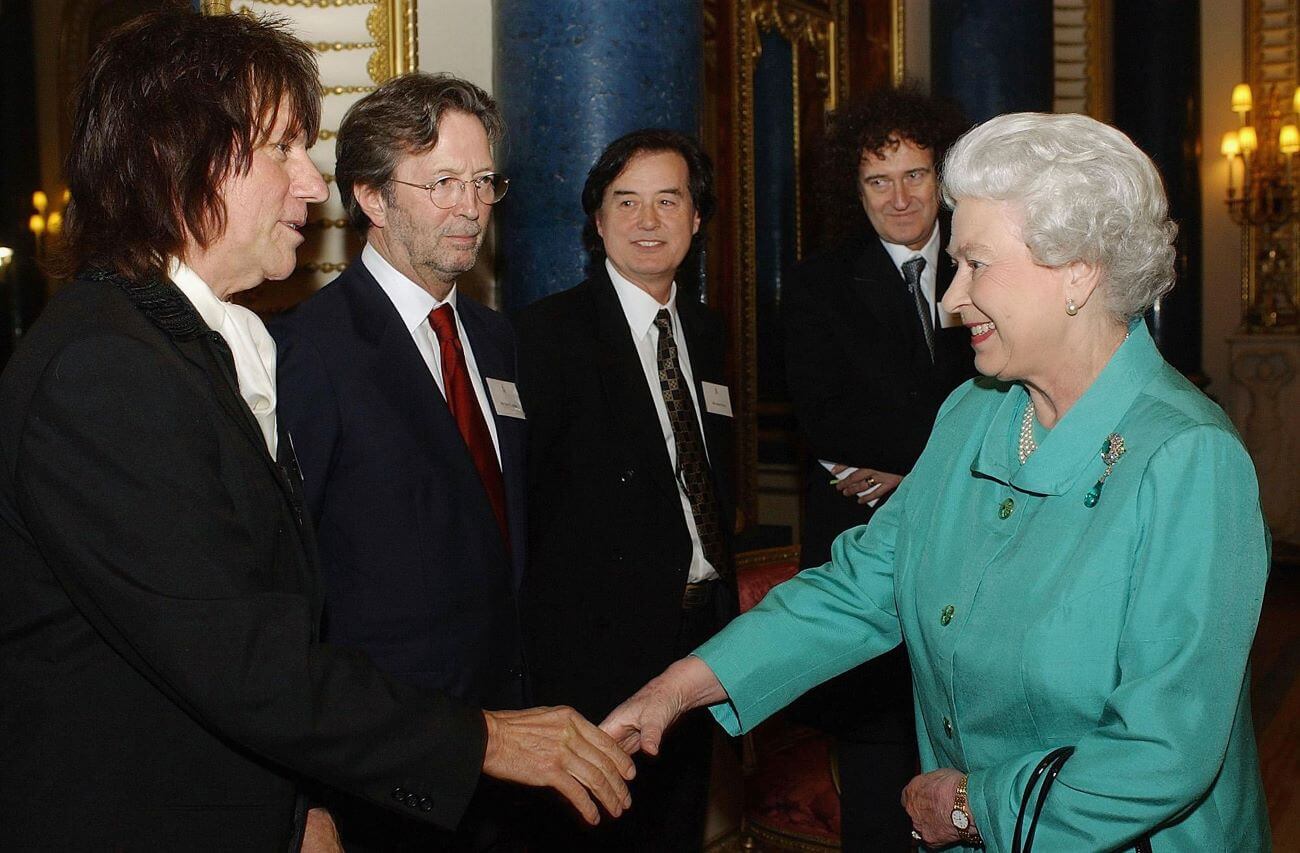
column 47, row 222
column 1266, row 206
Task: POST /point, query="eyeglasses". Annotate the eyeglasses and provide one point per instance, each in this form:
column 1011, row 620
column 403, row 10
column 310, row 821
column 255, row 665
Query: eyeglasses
column 447, row 191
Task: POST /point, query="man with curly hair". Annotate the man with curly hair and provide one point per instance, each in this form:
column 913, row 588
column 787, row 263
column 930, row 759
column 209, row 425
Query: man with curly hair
column 870, row 357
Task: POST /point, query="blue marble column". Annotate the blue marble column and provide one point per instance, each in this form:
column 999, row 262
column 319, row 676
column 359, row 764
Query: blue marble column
column 992, row 56
column 571, row 76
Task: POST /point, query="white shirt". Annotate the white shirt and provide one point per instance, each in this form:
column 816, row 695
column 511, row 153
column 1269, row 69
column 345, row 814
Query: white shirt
column 930, row 251
column 414, row 303
column 639, row 309
column 250, row 344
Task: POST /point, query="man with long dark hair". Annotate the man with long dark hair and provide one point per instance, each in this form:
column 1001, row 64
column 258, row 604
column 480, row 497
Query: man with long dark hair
column 629, row 503
column 163, row 684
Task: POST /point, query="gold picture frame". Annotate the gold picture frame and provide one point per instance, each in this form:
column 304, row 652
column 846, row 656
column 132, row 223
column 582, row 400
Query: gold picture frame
column 391, row 29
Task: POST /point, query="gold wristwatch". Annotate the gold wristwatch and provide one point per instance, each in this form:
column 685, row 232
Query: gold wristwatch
column 961, row 817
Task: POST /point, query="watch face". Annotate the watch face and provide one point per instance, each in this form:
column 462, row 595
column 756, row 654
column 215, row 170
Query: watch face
column 960, row 819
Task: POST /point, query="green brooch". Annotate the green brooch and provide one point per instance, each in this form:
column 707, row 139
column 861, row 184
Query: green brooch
column 1111, row 451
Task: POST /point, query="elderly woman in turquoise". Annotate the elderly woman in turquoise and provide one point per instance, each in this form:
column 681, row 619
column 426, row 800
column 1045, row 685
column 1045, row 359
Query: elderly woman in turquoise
column 1078, row 558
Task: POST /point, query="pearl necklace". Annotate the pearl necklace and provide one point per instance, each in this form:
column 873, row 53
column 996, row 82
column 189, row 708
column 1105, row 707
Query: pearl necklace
column 1027, row 445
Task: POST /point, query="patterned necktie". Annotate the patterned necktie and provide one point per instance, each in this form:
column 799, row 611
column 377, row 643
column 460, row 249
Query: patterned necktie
column 912, row 275
column 464, row 406
column 692, row 464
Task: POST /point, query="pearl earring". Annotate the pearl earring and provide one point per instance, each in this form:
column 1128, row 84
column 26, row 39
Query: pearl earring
column 1071, row 308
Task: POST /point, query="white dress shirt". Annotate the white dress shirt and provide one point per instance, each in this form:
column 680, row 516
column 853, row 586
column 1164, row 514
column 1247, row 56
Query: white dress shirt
column 639, row 309
column 414, row 303
column 250, row 343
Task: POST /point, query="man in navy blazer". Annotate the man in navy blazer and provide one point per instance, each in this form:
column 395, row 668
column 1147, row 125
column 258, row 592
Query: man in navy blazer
column 398, row 393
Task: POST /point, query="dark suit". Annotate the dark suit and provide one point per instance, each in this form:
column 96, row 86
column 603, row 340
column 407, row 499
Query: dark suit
column 163, row 686
column 609, row 548
column 414, row 567
column 865, row 393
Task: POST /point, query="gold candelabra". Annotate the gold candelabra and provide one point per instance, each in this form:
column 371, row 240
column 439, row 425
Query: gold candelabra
column 1265, row 203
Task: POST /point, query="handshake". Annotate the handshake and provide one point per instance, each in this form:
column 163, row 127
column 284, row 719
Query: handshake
column 557, row 748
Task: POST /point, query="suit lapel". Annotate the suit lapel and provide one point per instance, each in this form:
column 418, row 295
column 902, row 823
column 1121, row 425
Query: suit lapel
column 399, row 371
column 704, row 356
column 168, row 309
column 625, row 384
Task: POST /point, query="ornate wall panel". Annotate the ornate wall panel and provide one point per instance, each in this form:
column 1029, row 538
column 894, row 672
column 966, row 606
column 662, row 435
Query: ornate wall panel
column 1272, row 54
column 359, row 44
column 1081, row 50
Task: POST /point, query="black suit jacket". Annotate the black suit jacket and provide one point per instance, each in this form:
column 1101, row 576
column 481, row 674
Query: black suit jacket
column 863, row 387
column 415, row 572
column 609, row 549
column 163, row 688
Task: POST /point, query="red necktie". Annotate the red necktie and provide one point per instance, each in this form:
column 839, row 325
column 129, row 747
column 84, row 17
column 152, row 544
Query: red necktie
column 464, row 406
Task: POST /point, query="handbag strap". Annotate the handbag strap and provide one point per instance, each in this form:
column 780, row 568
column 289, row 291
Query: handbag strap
column 1053, row 760
column 1049, row 768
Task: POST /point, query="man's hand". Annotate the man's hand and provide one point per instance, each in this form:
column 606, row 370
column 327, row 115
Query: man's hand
column 557, row 748
column 863, row 479
column 320, row 836
column 640, row 722
column 929, row 799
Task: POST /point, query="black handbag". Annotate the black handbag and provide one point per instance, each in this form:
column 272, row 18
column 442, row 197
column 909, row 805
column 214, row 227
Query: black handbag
column 1048, row 769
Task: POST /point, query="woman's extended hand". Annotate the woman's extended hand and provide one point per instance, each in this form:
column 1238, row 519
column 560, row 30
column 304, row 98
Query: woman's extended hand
column 638, row 725
column 928, row 799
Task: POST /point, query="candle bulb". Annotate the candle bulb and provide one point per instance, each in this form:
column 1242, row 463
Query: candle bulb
column 1230, row 148
column 1242, row 102
column 1288, row 139
column 1247, row 140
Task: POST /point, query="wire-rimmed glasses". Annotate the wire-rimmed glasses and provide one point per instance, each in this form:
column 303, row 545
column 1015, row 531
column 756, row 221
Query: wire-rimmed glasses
column 448, row 190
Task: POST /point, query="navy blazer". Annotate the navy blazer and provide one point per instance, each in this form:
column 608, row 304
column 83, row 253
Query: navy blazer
column 414, row 569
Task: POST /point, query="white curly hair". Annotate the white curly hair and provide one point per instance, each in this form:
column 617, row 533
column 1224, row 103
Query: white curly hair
column 1086, row 192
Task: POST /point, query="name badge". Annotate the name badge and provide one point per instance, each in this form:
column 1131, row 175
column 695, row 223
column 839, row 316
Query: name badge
column 717, row 399
column 505, row 398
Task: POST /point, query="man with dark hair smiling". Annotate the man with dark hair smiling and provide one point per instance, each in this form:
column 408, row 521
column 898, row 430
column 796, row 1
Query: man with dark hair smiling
column 629, row 442
column 869, row 358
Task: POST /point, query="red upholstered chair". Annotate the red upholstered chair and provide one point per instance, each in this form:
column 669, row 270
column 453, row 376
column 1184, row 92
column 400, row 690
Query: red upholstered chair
column 792, row 799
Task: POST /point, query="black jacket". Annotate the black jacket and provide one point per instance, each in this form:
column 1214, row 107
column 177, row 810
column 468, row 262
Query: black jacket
column 163, row 688
column 863, row 387
column 609, row 549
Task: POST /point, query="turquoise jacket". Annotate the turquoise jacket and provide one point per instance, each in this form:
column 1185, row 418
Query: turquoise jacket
column 1035, row 621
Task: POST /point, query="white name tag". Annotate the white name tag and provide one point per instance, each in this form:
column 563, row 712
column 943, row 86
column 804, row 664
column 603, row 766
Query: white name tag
column 717, row 399
column 505, row 398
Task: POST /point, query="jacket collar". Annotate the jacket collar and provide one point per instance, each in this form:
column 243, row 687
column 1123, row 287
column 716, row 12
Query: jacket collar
column 1072, row 448
column 161, row 302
